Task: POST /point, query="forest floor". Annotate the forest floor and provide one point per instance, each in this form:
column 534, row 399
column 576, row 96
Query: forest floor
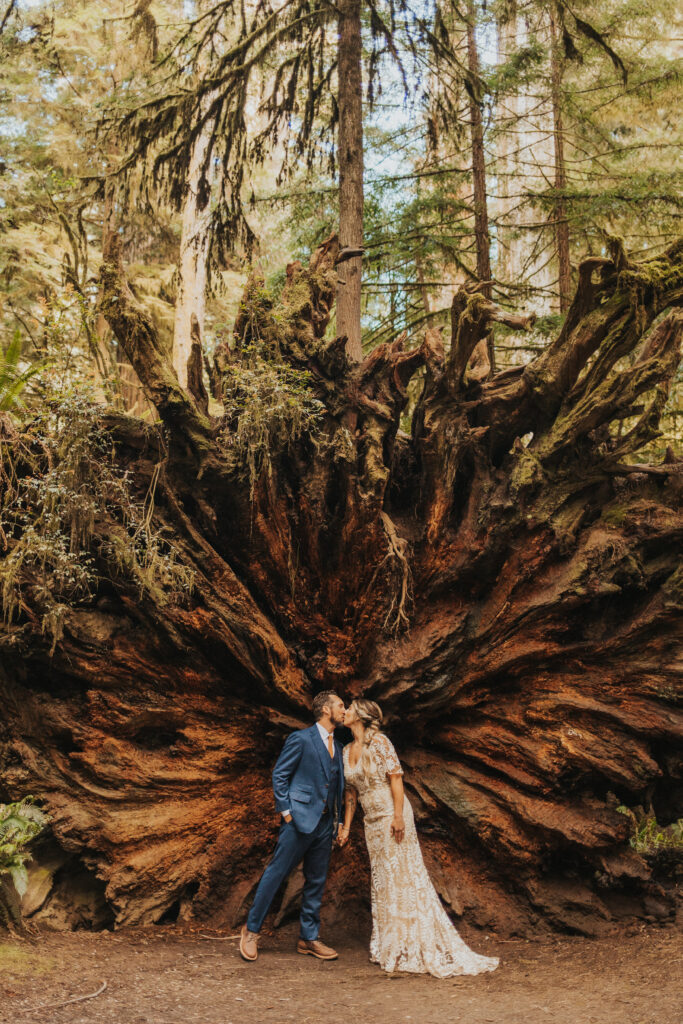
column 172, row 975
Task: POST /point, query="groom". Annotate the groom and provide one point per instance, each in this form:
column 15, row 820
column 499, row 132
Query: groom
column 308, row 783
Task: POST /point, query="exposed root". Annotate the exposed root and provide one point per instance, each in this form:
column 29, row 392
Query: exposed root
column 397, row 617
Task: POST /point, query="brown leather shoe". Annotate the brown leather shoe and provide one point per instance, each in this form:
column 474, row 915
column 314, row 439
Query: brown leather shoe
column 248, row 944
column 315, row 947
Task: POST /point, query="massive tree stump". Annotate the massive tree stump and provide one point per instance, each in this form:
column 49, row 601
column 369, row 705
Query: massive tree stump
column 505, row 581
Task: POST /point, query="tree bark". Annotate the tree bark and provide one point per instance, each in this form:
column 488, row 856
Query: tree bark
column 350, row 155
column 506, row 581
column 481, row 216
column 561, row 221
column 194, row 256
column 507, row 151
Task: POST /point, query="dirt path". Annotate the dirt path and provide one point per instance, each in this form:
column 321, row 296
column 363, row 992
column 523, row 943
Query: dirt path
column 168, row 976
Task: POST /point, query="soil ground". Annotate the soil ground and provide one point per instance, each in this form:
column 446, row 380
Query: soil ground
column 172, row 975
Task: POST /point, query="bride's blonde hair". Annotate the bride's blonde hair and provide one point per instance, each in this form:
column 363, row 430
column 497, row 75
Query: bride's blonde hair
column 370, row 715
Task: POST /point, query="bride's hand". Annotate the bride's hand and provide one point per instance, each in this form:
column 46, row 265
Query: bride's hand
column 398, row 829
column 342, row 836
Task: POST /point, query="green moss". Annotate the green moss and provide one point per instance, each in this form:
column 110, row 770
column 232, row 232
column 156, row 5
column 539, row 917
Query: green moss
column 527, row 473
column 476, row 308
column 19, row 959
column 651, row 280
column 342, row 447
column 297, row 299
column 673, row 589
column 615, row 515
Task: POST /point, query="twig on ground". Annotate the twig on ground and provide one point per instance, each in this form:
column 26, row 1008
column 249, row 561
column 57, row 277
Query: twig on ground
column 218, row 938
column 65, row 1002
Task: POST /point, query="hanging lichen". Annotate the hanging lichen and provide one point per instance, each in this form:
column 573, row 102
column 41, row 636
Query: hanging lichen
column 268, row 408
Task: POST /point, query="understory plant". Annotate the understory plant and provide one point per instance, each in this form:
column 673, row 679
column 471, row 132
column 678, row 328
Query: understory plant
column 14, row 379
column 70, row 518
column 268, row 407
column 20, row 823
column 649, row 838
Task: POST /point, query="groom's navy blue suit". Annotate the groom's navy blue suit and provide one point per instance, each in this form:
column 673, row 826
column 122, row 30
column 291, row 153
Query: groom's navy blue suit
column 309, row 784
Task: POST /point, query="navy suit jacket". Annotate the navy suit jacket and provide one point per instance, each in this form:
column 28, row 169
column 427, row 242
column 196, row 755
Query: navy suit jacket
column 301, row 777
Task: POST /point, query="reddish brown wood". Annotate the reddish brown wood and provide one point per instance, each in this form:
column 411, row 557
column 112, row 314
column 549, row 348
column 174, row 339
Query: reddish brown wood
column 506, row 582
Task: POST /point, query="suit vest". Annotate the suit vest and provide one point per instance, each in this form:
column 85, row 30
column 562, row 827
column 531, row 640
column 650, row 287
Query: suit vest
column 333, row 785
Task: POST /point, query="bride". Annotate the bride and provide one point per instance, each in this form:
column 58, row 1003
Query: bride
column 410, row 929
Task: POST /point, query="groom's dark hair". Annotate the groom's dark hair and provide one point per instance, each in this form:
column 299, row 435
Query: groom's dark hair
column 321, row 701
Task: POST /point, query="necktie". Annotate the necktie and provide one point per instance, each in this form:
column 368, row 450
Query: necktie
column 330, row 744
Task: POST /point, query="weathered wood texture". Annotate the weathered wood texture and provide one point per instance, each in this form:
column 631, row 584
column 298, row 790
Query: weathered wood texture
column 504, row 581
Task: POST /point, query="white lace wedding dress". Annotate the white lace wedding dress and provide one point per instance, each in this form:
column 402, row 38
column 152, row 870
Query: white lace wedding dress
column 410, row 929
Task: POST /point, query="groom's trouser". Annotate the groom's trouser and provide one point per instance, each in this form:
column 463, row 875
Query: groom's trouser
column 314, row 849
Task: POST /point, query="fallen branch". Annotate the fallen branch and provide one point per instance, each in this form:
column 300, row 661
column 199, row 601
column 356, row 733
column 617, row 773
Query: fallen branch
column 621, row 469
column 65, row 1002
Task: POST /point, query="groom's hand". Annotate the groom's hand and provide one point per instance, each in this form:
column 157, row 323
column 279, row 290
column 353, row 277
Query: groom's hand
column 287, row 818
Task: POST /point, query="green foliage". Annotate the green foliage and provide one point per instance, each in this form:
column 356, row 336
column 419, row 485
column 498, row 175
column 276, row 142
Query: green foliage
column 59, row 61
column 155, row 69
column 19, row 824
column 74, row 520
column 283, row 58
column 649, row 837
column 268, row 408
column 14, row 380
column 653, row 276
column 519, row 69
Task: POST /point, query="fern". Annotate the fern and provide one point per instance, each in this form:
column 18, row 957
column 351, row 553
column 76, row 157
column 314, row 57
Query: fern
column 19, row 824
column 14, row 380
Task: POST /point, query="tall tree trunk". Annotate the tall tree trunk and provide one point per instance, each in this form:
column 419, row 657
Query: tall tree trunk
column 508, row 242
column 113, row 362
column 516, row 609
column 561, row 222
column 424, row 291
column 481, row 216
column 524, row 163
column 350, row 155
column 190, row 307
column 104, row 362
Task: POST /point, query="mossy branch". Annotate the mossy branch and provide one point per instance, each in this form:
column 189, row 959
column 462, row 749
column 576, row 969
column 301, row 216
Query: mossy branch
column 137, row 335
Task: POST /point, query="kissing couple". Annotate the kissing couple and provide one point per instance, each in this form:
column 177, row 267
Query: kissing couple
column 312, row 780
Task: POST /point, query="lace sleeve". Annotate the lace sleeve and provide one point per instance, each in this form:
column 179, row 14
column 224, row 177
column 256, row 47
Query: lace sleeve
column 386, row 755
